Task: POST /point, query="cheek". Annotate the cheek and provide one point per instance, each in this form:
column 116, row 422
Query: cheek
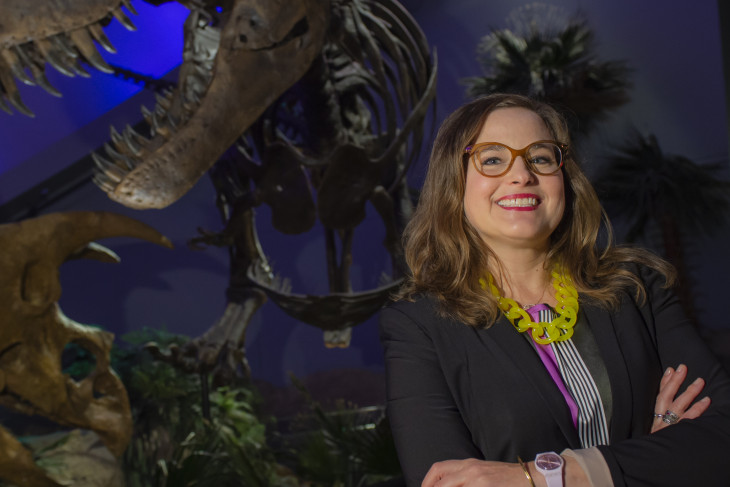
column 560, row 200
column 475, row 195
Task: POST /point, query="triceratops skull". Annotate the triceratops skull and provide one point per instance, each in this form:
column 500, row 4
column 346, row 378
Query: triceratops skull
column 34, row 331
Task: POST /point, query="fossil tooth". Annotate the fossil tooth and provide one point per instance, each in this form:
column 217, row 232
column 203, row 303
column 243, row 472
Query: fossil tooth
column 128, row 5
column 115, row 155
column 173, row 122
column 78, row 69
column 17, row 102
column 46, row 49
column 85, row 44
column 135, row 142
column 64, row 45
column 43, row 82
column 119, row 14
column 16, row 67
column 147, row 114
column 115, row 136
column 4, row 106
column 157, row 128
column 163, row 101
column 98, row 34
column 128, row 162
column 121, row 160
column 30, row 58
column 12, row 93
column 110, row 170
column 101, row 180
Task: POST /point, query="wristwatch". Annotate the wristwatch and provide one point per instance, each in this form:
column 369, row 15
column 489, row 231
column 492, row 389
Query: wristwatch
column 550, row 465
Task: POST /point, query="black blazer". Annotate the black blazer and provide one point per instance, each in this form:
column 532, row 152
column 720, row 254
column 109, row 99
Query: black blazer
column 455, row 391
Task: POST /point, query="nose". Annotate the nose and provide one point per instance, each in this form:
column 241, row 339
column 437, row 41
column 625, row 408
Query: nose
column 520, row 173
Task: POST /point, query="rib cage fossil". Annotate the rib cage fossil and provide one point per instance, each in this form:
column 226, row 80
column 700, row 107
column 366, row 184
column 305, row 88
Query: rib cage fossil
column 325, row 102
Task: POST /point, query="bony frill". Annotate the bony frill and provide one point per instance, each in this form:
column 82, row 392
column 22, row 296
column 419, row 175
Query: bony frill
column 559, row 329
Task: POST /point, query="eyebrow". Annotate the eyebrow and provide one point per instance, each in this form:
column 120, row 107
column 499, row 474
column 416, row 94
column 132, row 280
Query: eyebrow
column 493, row 147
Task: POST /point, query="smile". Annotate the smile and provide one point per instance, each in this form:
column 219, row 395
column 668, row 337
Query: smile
column 530, row 202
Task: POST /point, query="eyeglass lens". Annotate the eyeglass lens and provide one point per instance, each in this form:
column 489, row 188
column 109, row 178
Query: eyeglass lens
column 495, row 159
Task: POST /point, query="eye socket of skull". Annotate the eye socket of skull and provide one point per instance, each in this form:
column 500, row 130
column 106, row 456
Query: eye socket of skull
column 77, row 361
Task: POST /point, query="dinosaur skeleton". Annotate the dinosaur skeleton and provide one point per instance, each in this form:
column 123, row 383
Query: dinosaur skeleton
column 325, row 101
column 34, row 332
column 327, row 146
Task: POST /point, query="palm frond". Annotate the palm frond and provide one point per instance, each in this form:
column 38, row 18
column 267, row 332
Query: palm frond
column 641, row 184
column 554, row 61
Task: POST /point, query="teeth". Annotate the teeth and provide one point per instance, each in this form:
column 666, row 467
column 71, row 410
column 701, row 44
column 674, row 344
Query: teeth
column 123, row 19
column 518, row 202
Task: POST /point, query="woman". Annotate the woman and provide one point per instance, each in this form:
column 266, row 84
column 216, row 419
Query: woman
column 504, row 244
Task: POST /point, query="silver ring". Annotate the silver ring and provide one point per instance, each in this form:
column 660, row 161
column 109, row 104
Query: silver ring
column 657, row 415
column 670, row 417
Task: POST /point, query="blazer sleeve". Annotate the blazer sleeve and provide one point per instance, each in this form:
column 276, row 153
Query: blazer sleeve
column 426, row 423
column 692, row 452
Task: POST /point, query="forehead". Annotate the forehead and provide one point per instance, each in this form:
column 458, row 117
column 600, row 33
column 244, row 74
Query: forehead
column 516, row 127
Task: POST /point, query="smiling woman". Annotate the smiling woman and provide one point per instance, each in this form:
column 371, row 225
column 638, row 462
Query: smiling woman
column 519, row 207
column 519, row 335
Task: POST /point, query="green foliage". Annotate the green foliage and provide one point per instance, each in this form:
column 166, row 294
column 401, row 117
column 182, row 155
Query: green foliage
column 549, row 58
column 348, row 447
column 172, row 444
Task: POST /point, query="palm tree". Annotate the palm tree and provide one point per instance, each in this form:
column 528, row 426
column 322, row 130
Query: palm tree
column 552, row 59
column 663, row 198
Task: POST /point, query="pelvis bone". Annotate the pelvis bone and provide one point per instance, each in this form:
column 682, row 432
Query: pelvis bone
column 34, row 331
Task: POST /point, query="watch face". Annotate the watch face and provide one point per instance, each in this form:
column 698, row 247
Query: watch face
column 548, row 461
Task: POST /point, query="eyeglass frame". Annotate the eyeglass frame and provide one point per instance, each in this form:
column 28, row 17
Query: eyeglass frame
column 563, row 148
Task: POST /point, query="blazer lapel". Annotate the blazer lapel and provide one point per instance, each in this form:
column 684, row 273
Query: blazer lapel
column 503, row 337
column 604, row 330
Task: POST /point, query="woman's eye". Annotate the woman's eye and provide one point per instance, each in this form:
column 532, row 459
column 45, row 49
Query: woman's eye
column 491, row 161
column 541, row 160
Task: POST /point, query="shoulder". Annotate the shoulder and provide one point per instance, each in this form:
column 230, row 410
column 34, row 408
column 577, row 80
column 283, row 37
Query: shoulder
column 657, row 297
column 420, row 309
column 652, row 279
column 418, row 315
column 420, row 303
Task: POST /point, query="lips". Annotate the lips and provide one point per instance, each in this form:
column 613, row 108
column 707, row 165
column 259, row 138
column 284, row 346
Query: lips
column 519, row 202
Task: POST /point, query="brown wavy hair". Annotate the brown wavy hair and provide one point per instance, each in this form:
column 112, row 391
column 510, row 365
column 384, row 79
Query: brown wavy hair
column 446, row 256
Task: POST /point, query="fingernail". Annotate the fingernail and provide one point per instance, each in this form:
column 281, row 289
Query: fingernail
column 668, row 371
column 681, row 367
column 705, row 399
column 697, row 380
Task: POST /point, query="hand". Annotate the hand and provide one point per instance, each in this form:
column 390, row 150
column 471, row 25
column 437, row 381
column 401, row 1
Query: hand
column 473, row 472
column 666, row 399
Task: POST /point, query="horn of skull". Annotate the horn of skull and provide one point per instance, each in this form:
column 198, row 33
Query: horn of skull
column 34, row 332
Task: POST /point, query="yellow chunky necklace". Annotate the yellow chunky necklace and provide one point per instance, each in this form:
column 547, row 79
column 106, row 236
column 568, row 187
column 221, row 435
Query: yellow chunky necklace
column 559, row 329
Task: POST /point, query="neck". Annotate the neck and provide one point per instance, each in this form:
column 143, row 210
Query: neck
column 522, row 275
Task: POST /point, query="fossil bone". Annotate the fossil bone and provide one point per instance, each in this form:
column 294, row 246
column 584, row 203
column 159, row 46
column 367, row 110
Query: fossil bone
column 34, row 331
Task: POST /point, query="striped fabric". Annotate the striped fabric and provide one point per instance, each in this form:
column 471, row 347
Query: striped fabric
column 592, row 424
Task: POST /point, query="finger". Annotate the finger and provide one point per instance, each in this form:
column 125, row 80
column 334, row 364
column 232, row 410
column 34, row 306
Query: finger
column 665, row 378
column 432, row 476
column 669, row 386
column 697, row 408
column 438, row 471
column 682, row 402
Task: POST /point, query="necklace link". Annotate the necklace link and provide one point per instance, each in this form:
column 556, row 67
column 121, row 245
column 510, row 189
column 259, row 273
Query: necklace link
column 559, row 329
